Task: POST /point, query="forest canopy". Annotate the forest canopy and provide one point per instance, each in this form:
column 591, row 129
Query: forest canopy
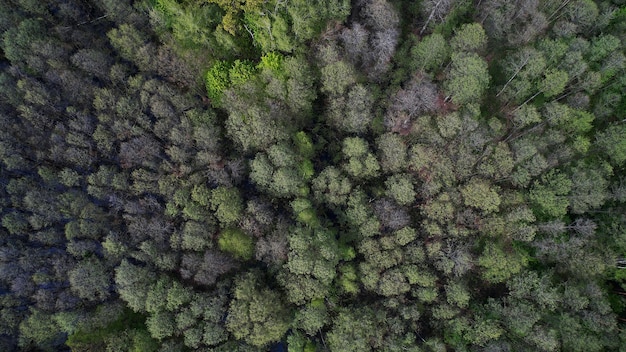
column 313, row 175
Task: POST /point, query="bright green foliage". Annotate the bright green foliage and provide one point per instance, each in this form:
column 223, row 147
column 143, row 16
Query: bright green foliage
column 232, row 9
column 361, row 163
column 304, row 145
column 305, row 213
column 217, row 81
column 526, row 115
column 156, row 299
column 227, row 204
column 457, row 294
column 313, row 252
column 549, row 196
column 348, row 280
column 431, row 52
column 602, row 46
column 177, row 296
column 270, row 32
column 161, row 324
column 237, row 243
column 469, row 37
column 279, row 173
column 468, row 78
column 309, row 18
column 480, row 194
column 256, row 313
column 499, row 265
column 553, row 83
column 240, row 72
column 400, row 188
column 191, row 24
column 273, row 62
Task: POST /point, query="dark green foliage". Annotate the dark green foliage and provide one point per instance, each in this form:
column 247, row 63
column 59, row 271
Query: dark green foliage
column 256, row 314
column 324, row 175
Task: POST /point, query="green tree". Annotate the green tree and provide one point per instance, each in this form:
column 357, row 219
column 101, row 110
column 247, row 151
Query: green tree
column 498, row 265
column 337, row 77
column 354, row 330
column 431, row 52
column 237, row 243
column 612, row 141
column 256, row 314
column 39, row 330
column 481, row 194
column 469, row 37
column 90, row 280
column 227, row 204
column 133, row 283
column 400, row 187
column 331, row 186
column 217, row 81
column 392, row 152
column 548, row 196
column 468, row 78
column 360, row 163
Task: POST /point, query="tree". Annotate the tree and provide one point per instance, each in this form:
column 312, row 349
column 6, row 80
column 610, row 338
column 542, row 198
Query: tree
column 352, row 114
column 354, row 330
column 312, row 317
column 480, row 194
column 392, row 152
column 90, row 280
column 589, row 188
column 400, row 188
column 418, row 96
column 468, row 78
column 469, row 37
column 217, row 81
column 549, row 196
column 39, row 330
column 237, row 243
column 133, row 283
column 133, row 46
column 499, row 266
column 227, row 204
column 256, row 314
column 161, row 324
column 331, row 186
column 17, row 41
column 435, row 11
column 430, row 52
column 337, row 77
column 612, row 141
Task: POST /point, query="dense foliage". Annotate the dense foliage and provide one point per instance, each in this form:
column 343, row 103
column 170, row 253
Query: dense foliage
column 317, row 175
